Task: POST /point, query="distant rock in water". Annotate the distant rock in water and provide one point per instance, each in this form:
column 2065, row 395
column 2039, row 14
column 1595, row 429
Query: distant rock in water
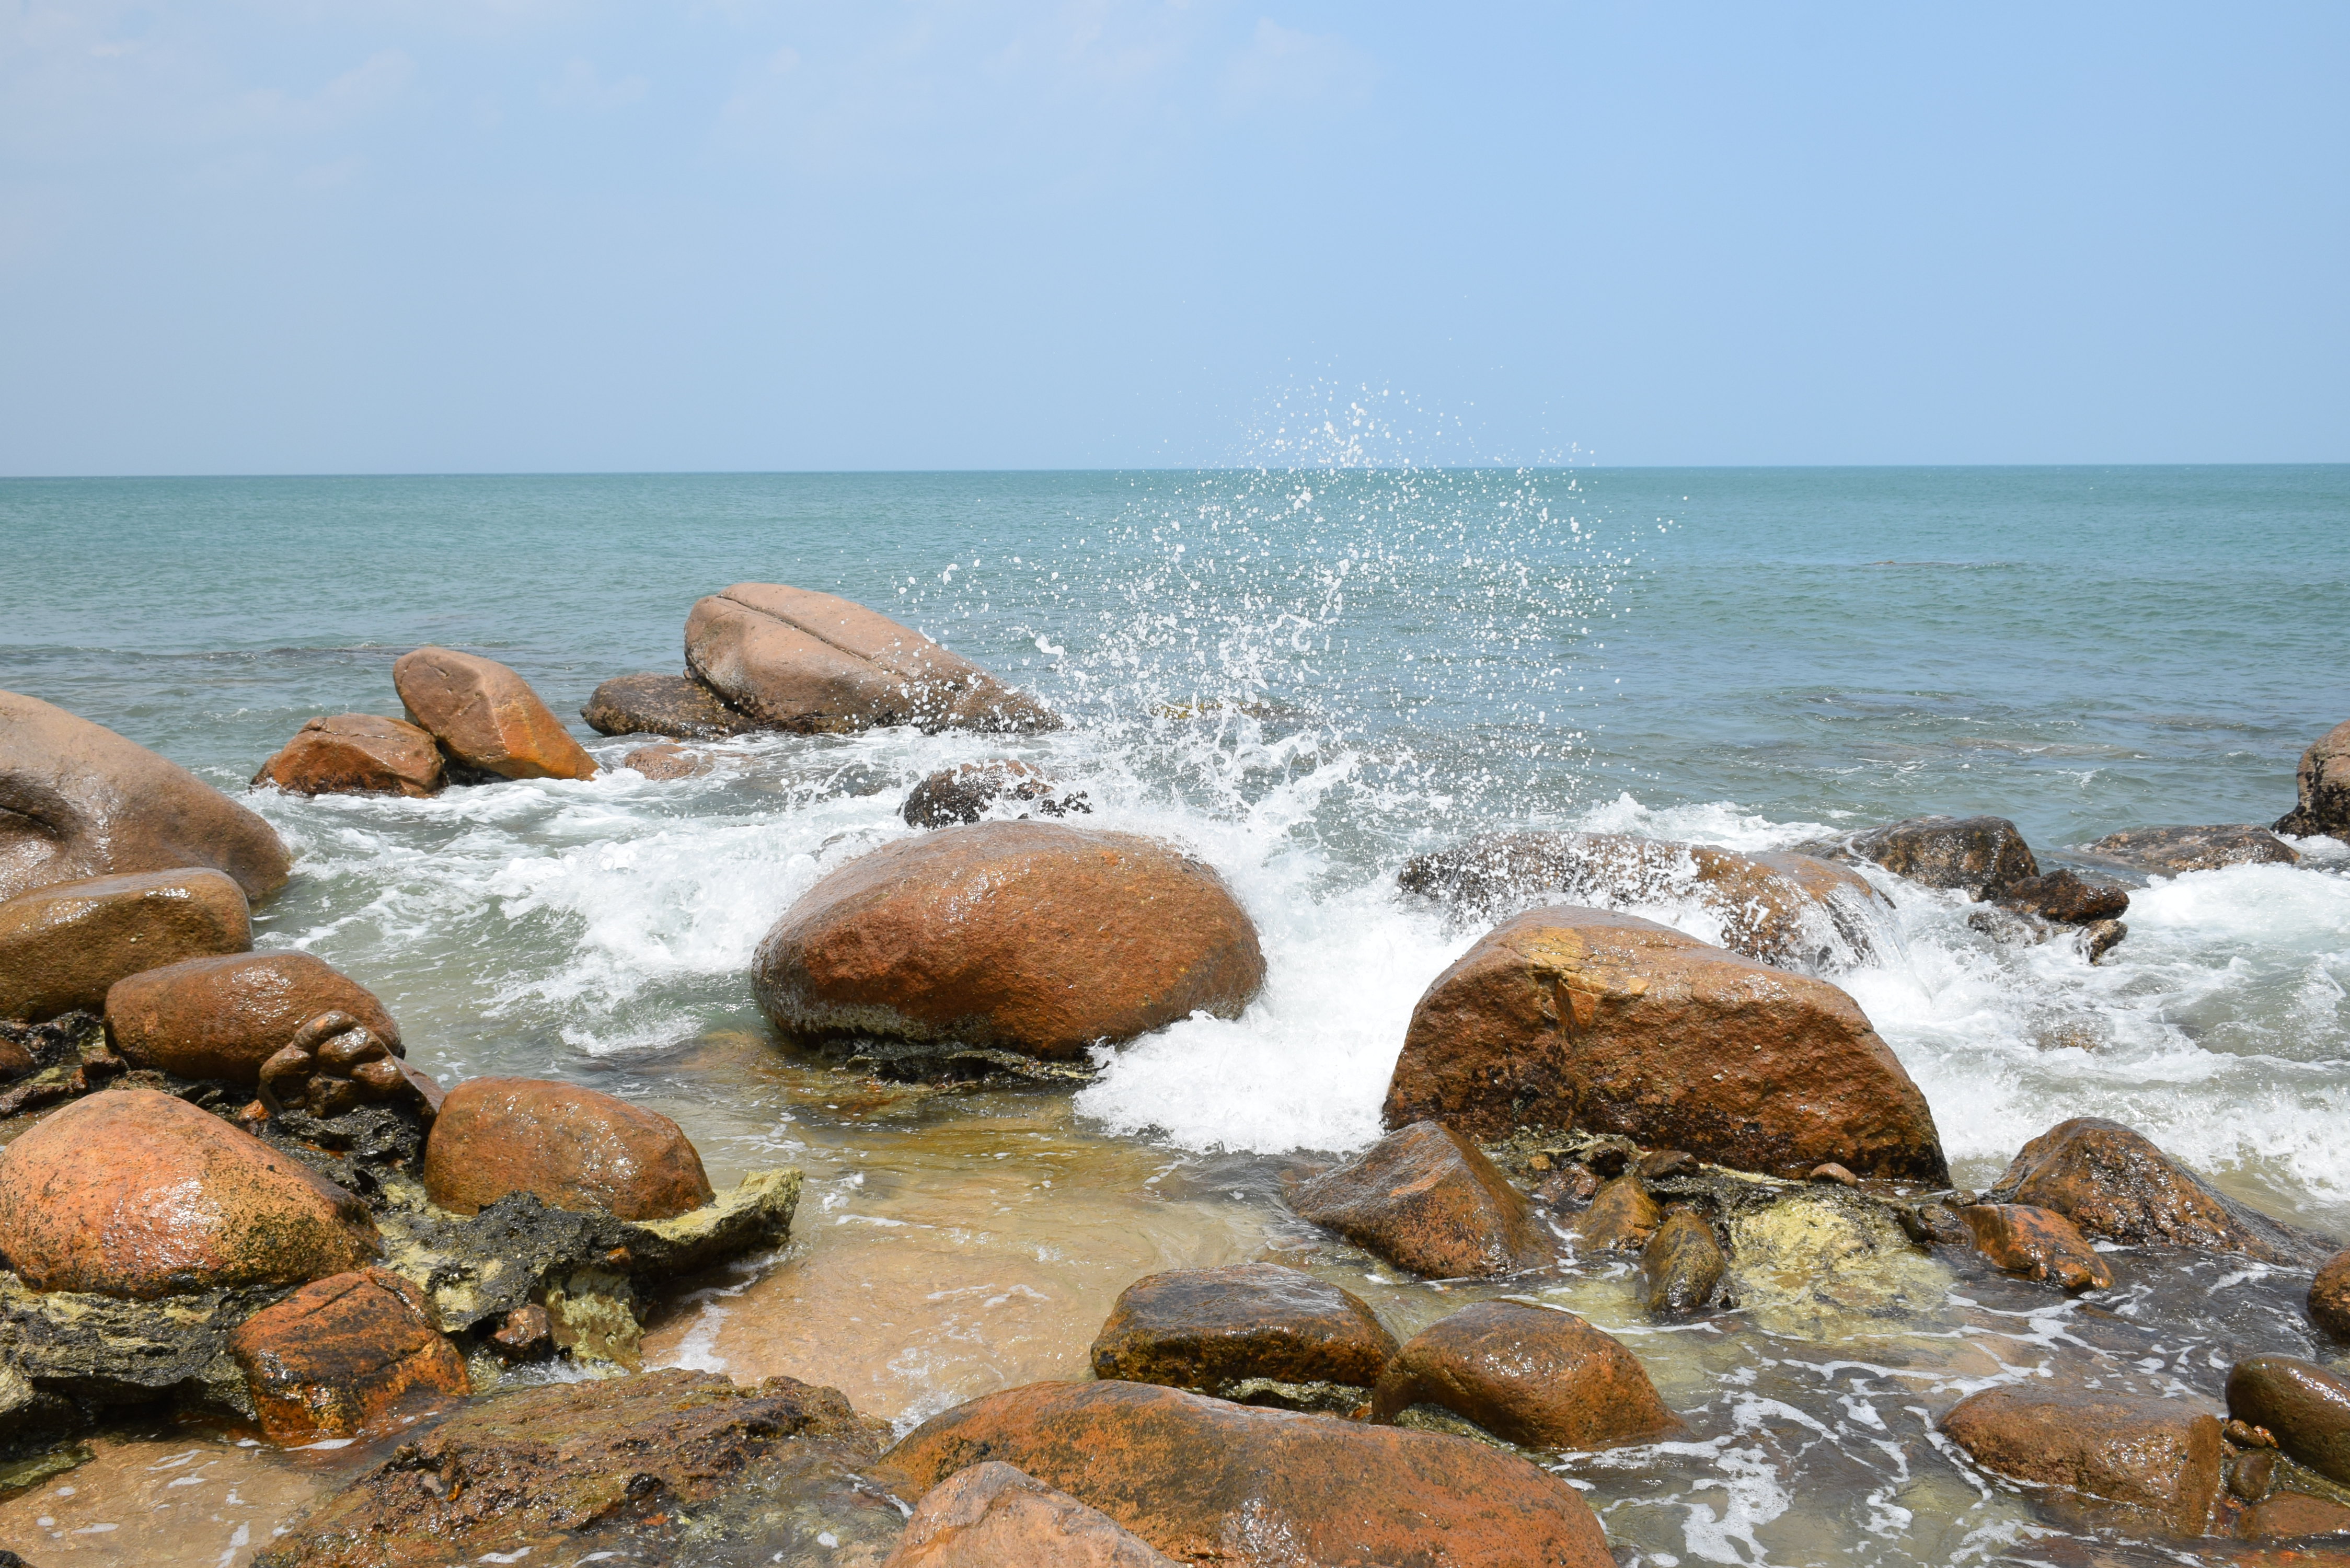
column 677, row 706
column 818, row 663
column 1978, row 855
column 665, row 761
column 357, row 753
column 2176, row 849
column 2062, row 896
column 486, row 717
column 1784, row 908
column 2324, row 780
column 964, row 794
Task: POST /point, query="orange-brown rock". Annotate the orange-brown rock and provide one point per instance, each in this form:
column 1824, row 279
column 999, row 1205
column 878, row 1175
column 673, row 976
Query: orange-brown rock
column 2329, row 1296
column 132, row 1193
column 79, row 801
column 1572, row 1018
column 355, row 753
column 335, row 1064
column 2159, row 1455
column 993, row 1516
column 2325, row 781
column 1622, row 1218
column 1428, row 1200
column 1207, row 1481
column 965, row 794
column 1783, row 909
column 2304, row 1407
column 2113, row 1182
column 815, row 663
column 63, row 945
column 341, row 1353
column 2287, row 1515
column 1530, row 1376
column 1214, row 1329
column 573, row 1147
column 223, row 1017
column 485, row 717
column 677, row 706
column 2037, row 1243
column 1683, row 1264
column 665, row 761
column 1029, row 936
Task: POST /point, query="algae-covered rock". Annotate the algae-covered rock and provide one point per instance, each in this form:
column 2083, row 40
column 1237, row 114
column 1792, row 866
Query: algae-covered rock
column 1822, row 1262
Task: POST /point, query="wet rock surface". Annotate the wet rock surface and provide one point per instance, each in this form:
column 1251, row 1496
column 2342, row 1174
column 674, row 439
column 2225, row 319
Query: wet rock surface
column 2329, row 1296
column 1622, row 1218
column 357, row 753
column 1569, row 1018
column 2162, row 1455
column 677, row 706
column 2038, row 1244
column 1032, row 938
column 1216, row 1330
column 2172, row 850
column 1205, row 1481
column 967, row 793
column 341, row 1353
column 1531, row 1375
column 665, row 761
column 568, row 1147
column 1978, row 855
column 62, row 946
column 334, row 1064
column 485, row 718
column 816, row 663
column 1684, row 1264
column 1428, row 1200
column 79, row 801
column 993, row 1516
column 2062, row 896
column 2324, row 779
column 222, row 1018
column 2304, row 1407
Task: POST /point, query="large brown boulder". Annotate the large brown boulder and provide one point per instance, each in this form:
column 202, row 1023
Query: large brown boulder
column 818, row 663
column 340, row 1352
column 1572, row 1018
column 1024, row 936
column 1783, row 909
column 132, row 1193
column 2159, row 1455
column 355, row 753
column 573, row 1147
column 63, row 945
column 2172, row 850
column 1978, row 855
column 1428, row 1200
column 79, row 801
column 1530, row 1376
column 677, row 706
column 223, row 1017
column 993, row 1516
column 2325, row 781
column 1207, row 1481
column 2304, row 1407
column 1213, row 1330
column 2113, row 1182
column 486, row 717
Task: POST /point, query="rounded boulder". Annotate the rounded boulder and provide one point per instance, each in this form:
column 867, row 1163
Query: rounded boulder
column 223, row 1017
column 1528, row 1375
column 1028, row 937
column 62, row 946
column 341, row 1352
column 1214, row 1329
column 569, row 1147
column 355, row 753
column 486, row 717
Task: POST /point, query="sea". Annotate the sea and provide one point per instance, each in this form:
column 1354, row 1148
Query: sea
column 1308, row 675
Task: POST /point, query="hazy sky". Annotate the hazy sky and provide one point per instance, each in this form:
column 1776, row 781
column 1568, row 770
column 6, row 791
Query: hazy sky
column 384, row 235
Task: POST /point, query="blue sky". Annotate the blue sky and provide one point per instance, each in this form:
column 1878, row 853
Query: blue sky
column 392, row 235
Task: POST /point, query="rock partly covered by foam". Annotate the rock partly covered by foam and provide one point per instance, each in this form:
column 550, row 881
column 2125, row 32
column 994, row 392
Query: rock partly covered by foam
column 224, row 1017
column 1216, row 1331
column 341, row 1352
column 357, row 753
column 2162, row 1455
column 967, row 793
column 993, row 1516
column 1572, row 1018
column 63, row 945
column 1529, row 1374
column 2325, row 781
column 2172, row 850
column 485, row 717
column 1978, row 855
column 2063, row 896
column 132, row 1193
column 1027, row 937
column 79, row 801
column 1429, row 1199
column 1207, row 1481
column 2305, row 1407
column 2115, row 1183
column 571, row 1147
column 1784, row 908
column 818, row 663
column 677, row 706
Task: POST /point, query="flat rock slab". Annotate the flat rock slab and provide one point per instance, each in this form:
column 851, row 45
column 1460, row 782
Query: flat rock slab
column 2162, row 1455
column 222, row 1018
column 1207, row 1481
column 677, row 706
column 1568, row 1018
column 993, row 1516
column 486, row 717
column 1530, row 1376
column 568, row 1147
column 1428, row 1200
column 1211, row 1330
column 2173, row 850
column 62, row 946
column 2305, row 1407
column 341, row 1352
column 357, row 753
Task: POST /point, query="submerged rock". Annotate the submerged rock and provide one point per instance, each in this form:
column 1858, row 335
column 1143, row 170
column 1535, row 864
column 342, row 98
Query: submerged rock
column 1684, row 1265
column 2159, row 1455
column 1428, row 1200
column 2062, row 896
column 63, row 945
column 486, row 717
column 1783, row 909
column 1030, row 937
column 341, row 1353
column 2325, row 781
column 2112, row 1182
column 993, row 1516
column 2329, row 1296
column 665, row 761
column 2173, row 850
column 677, row 706
column 1822, row 1263
column 1978, row 855
column 570, row 1148
column 1207, row 1481
column 816, row 663
column 222, row 1018
column 1219, row 1331
column 2038, row 1244
column 2302, row 1405
column 1531, row 1375
column 79, row 801
column 964, row 794
column 357, row 753
column 1567, row 1018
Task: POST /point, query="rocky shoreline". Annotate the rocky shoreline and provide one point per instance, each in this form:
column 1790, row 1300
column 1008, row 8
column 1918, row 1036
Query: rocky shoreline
column 228, row 1197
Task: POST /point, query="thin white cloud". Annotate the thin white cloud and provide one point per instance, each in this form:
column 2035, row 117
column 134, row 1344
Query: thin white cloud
column 353, row 95
column 581, row 85
column 1284, row 68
